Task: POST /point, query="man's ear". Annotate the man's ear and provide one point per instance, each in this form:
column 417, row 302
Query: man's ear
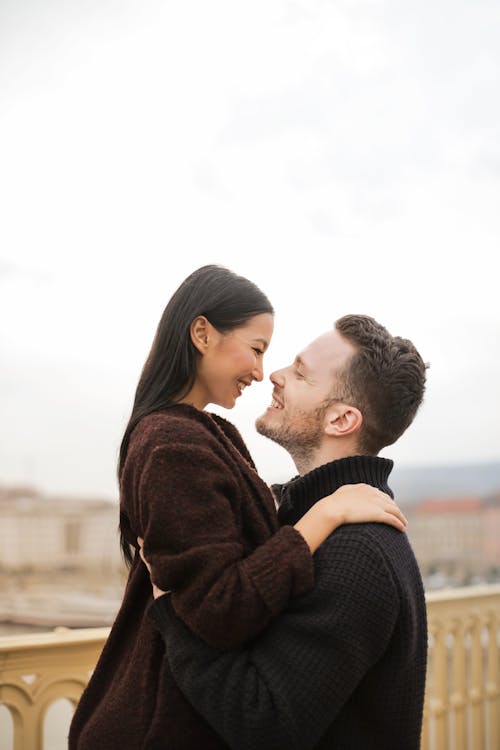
column 342, row 420
column 200, row 330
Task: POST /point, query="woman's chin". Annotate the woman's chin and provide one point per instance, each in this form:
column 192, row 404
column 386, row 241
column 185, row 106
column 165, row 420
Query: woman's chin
column 226, row 403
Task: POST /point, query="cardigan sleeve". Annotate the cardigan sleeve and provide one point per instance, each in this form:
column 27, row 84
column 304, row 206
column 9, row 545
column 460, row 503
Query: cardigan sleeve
column 194, row 546
column 287, row 687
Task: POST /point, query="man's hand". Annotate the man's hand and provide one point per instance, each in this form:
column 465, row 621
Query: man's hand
column 156, row 591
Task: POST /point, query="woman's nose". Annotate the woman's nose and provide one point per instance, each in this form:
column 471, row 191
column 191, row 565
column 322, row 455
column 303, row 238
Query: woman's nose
column 258, row 371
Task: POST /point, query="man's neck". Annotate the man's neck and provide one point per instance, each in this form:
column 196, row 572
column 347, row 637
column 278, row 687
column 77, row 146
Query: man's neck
column 300, row 493
column 322, row 456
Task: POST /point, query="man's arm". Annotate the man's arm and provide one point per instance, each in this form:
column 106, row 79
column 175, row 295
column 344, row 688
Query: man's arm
column 286, row 688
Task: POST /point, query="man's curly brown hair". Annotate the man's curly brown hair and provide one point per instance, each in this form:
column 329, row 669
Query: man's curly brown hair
column 384, row 379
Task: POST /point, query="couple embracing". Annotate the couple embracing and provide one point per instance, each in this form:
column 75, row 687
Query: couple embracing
column 259, row 619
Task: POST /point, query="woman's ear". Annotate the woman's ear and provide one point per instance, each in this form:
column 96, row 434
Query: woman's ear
column 342, row 420
column 200, row 333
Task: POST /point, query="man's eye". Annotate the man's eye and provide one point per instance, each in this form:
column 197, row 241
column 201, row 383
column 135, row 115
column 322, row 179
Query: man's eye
column 298, row 374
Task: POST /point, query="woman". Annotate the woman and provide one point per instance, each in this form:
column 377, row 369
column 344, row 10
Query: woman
column 189, row 488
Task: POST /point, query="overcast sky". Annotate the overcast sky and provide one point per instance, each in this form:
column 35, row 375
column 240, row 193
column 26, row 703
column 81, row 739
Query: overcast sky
column 343, row 155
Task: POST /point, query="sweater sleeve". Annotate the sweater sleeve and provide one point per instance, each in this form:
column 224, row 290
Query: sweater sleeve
column 194, row 545
column 286, row 689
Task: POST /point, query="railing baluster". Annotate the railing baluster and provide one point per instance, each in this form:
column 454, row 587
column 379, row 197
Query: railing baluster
column 439, row 701
column 476, row 685
column 32, row 730
column 493, row 683
column 458, row 695
column 424, row 745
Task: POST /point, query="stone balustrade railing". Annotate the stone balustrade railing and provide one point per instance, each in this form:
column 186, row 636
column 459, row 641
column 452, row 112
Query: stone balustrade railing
column 37, row 670
column 462, row 707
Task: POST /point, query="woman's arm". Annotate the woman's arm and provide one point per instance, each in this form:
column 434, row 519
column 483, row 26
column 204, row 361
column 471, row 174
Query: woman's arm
column 351, row 503
column 195, row 547
column 194, row 540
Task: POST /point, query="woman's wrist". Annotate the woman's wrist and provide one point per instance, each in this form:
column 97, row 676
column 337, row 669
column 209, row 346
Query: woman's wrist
column 331, row 510
column 319, row 522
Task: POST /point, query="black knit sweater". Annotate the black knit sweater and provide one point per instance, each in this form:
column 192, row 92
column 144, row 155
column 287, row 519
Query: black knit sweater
column 344, row 666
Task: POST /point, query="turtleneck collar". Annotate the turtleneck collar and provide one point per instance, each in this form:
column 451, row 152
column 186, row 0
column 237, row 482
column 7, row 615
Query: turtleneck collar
column 299, row 494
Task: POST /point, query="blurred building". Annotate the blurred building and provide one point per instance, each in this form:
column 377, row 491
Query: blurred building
column 45, row 533
column 456, row 539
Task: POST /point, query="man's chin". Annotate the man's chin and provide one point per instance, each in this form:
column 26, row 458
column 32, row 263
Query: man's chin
column 260, row 422
column 263, row 425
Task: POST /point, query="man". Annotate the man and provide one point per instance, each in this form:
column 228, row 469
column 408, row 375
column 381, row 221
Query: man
column 344, row 666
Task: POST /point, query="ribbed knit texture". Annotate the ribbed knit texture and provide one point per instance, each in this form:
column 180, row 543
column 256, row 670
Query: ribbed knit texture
column 344, row 666
column 211, row 534
column 296, row 496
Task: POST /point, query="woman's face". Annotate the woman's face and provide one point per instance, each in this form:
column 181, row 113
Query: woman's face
column 230, row 362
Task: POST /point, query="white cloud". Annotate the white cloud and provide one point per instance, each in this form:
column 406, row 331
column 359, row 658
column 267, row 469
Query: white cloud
column 344, row 155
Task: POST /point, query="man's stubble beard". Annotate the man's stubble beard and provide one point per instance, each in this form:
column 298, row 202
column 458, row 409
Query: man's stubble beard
column 300, row 434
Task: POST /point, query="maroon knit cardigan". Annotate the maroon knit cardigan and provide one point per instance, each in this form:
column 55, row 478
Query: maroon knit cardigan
column 190, row 489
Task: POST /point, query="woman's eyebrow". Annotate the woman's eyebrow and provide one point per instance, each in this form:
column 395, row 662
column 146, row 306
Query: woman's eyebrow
column 262, row 341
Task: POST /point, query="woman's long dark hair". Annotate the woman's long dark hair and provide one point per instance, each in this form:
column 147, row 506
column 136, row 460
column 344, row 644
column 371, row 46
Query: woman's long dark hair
column 227, row 301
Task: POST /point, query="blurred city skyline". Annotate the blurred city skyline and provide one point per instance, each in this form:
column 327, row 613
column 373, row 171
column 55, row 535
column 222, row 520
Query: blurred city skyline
column 343, row 155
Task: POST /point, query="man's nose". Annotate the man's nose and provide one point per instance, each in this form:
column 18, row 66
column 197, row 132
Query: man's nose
column 277, row 378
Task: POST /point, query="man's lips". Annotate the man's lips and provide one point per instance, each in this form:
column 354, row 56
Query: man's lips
column 276, row 402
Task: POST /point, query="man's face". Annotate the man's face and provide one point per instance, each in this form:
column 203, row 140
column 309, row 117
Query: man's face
column 296, row 417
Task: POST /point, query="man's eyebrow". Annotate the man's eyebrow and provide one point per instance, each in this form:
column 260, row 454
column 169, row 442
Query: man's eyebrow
column 300, row 362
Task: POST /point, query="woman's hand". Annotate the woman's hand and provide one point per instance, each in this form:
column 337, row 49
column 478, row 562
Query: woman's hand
column 358, row 503
column 156, row 591
column 351, row 503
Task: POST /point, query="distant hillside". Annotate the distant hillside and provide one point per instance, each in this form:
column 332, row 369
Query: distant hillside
column 415, row 483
